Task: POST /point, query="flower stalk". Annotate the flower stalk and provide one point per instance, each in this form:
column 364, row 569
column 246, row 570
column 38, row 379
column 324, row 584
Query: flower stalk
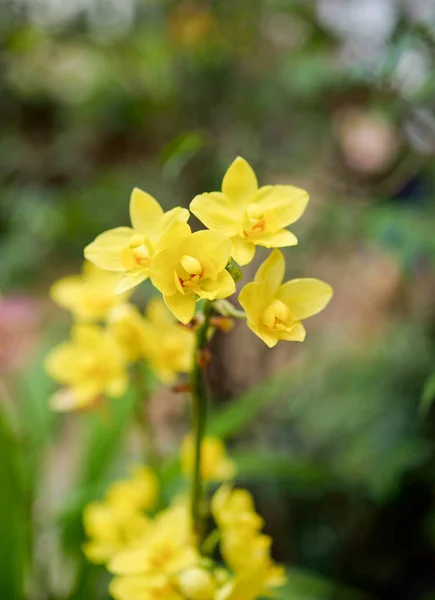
column 199, row 416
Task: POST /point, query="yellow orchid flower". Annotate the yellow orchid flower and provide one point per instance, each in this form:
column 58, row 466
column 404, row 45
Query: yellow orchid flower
column 249, row 215
column 189, row 265
column 88, row 296
column 164, row 552
column 130, row 250
column 127, row 326
column 117, row 522
column 275, row 310
column 155, row 587
column 197, row 583
column 90, row 364
column 248, row 585
column 168, row 346
column 215, row 464
column 244, row 548
column 139, row 492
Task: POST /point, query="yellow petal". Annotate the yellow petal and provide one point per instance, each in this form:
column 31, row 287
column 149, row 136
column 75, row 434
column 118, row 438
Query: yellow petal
column 145, row 211
column 223, row 286
column 117, row 387
column 254, row 297
column 288, row 202
column 163, row 269
column 210, row 245
column 183, row 307
column 242, row 252
column 65, row 291
column 175, row 214
column 217, row 212
column 239, row 182
column 269, row 337
column 105, row 251
column 157, row 313
column 174, row 235
column 305, row 297
column 279, row 239
column 130, row 280
column 296, row 334
column 59, row 363
column 271, row 272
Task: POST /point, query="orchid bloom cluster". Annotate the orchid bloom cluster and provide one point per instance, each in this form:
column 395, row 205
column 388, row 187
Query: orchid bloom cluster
column 156, row 551
column 151, row 554
column 186, row 267
column 109, row 334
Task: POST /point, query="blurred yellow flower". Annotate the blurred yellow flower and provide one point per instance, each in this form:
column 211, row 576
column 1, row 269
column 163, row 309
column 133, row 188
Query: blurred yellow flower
column 118, row 521
column 88, row 296
column 127, row 326
column 215, row 464
column 249, row 215
column 197, row 583
column 249, row 585
column 168, row 345
column 90, row 364
column 163, row 553
column 139, row 492
column 155, row 587
column 187, row 265
column 245, row 549
column 130, row 250
column 274, row 310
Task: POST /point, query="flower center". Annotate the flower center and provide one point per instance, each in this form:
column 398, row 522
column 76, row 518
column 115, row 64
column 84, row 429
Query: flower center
column 191, row 265
column 277, row 316
column 137, row 255
column 259, row 222
column 188, row 277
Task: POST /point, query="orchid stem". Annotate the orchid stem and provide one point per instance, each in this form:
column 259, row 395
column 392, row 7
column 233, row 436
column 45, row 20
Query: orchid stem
column 199, row 415
column 150, row 455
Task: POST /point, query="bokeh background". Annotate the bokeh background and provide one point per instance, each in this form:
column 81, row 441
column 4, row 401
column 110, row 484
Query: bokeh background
column 334, row 437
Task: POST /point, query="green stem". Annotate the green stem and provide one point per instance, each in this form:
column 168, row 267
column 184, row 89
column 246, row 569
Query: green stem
column 199, row 415
column 143, row 392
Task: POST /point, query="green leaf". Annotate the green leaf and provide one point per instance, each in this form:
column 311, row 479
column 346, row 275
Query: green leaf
column 428, row 396
column 295, row 472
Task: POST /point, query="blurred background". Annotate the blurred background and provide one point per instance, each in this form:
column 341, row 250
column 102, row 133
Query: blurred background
column 334, row 437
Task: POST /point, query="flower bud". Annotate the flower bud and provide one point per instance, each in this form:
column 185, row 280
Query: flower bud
column 197, row 584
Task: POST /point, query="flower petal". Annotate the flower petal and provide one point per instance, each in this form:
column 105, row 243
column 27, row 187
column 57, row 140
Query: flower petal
column 242, row 252
column 145, row 211
column 163, row 269
column 254, row 298
column 223, row 286
column 183, row 307
column 175, row 214
column 288, row 202
column 131, row 280
column 305, row 297
column 174, row 235
column 269, row 338
column 157, row 313
column 217, row 212
column 210, row 245
column 296, row 334
column 239, row 182
column 279, row 239
column 64, row 292
column 105, row 251
column 271, row 272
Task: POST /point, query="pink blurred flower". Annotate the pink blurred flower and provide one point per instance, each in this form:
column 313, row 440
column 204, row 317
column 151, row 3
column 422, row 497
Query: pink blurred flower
column 19, row 330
